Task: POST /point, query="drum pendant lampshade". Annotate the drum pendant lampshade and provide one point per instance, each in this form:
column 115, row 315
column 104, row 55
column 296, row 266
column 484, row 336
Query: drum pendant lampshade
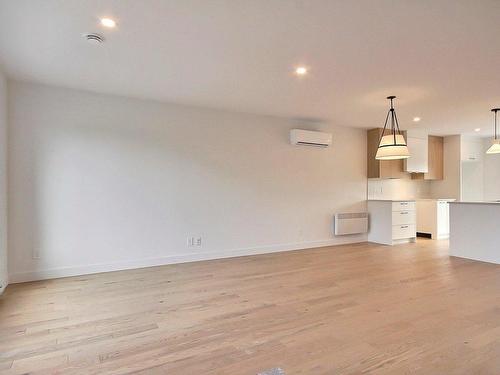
column 495, row 147
column 392, row 146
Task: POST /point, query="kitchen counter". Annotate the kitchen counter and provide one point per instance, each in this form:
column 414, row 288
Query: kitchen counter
column 474, row 230
column 391, row 200
column 437, row 199
column 478, row 202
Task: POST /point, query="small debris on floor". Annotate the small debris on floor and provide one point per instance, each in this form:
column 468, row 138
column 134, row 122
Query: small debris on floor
column 273, row 371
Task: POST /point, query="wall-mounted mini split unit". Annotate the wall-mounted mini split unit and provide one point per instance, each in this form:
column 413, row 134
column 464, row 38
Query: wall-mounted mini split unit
column 310, row 138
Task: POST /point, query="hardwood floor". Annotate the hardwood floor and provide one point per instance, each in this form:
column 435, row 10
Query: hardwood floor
column 354, row 309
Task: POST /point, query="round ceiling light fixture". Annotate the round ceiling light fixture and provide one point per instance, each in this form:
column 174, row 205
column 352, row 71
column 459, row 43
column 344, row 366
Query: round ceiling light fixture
column 94, row 38
column 301, row 71
column 108, row 22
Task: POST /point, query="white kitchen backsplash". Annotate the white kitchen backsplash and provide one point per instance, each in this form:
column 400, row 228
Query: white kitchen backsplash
column 398, row 189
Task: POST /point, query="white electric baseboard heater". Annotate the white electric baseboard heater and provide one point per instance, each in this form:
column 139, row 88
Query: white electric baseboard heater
column 351, row 223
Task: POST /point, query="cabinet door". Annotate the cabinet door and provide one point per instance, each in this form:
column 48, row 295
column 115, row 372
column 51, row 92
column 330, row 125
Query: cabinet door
column 418, row 161
column 435, row 160
column 471, row 150
column 404, row 231
column 381, row 168
column 403, row 206
column 443, row 221
column 392, row 169
column 403, row 217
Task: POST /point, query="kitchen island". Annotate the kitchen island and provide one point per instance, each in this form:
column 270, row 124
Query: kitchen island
column 475, row 230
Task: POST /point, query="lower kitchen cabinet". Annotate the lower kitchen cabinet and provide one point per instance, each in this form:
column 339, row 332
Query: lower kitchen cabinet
column 433, row 218
column 392, row 222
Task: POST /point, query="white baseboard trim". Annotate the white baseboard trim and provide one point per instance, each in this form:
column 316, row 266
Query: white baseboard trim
column 54, row 273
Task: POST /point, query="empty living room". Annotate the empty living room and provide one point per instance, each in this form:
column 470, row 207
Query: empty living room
column 250, row 187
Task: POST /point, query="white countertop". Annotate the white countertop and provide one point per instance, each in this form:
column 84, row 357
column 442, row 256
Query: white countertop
column 391, row 200
column 437, row 199
column 479, row 202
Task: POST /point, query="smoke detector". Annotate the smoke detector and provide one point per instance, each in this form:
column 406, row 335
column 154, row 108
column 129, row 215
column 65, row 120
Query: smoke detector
column 94, row 38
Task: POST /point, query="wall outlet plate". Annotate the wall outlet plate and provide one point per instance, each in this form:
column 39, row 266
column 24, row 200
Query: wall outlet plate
column 194, row 241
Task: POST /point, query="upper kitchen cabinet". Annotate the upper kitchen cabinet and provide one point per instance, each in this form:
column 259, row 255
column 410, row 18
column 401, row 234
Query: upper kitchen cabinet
column 381, row 168
column 417, row 142
column 471, row 149
column 435, row 147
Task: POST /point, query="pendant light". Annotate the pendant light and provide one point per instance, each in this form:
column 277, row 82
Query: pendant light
column 392, row 146
column 495, row 147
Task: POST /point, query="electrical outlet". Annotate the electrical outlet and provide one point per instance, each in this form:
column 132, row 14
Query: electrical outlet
column 194, row 241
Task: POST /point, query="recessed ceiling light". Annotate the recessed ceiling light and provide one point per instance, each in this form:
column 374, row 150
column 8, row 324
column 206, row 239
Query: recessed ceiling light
column 301, row 71
column 416, row 119
column 108, row 22
column 477, row 129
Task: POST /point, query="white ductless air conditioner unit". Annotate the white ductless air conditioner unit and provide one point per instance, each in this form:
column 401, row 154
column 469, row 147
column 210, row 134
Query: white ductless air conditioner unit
column 310, row 138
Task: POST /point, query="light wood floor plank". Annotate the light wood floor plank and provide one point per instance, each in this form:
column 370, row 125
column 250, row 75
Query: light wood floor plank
column 351, row 309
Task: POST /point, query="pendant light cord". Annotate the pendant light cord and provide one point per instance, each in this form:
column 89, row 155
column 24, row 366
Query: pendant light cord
column 495, row 110
column 393, row 128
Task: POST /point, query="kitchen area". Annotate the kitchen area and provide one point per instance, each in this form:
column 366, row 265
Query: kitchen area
column 444, row 190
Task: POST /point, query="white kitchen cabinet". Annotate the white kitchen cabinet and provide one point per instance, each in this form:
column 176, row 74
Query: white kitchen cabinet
column 471, row 149
column 403, row 217
column 433, row 218
column 419, row 155
column 392, row 222
column 471, row 169
column 398, row 206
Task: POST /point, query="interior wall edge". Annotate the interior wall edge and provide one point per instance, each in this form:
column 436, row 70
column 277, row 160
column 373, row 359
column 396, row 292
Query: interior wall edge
column 4, row 277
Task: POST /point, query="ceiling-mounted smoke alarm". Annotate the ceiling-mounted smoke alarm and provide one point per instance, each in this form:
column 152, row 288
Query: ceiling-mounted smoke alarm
column 94, row 38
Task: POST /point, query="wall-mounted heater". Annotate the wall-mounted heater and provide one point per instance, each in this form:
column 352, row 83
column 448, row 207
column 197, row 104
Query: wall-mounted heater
column 351, row 223
column 310, row 138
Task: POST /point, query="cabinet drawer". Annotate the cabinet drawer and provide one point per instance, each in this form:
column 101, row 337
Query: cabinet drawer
column 403, row 231
column 404, row 217
column 403, row 206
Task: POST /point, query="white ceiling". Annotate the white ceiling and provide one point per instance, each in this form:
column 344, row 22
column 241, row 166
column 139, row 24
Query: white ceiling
column 440, row 57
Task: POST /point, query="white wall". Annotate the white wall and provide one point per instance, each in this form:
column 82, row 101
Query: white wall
column 491, row 170
column 102, row 182
column 404, row 188
column 3, row 182
column 449, row 187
